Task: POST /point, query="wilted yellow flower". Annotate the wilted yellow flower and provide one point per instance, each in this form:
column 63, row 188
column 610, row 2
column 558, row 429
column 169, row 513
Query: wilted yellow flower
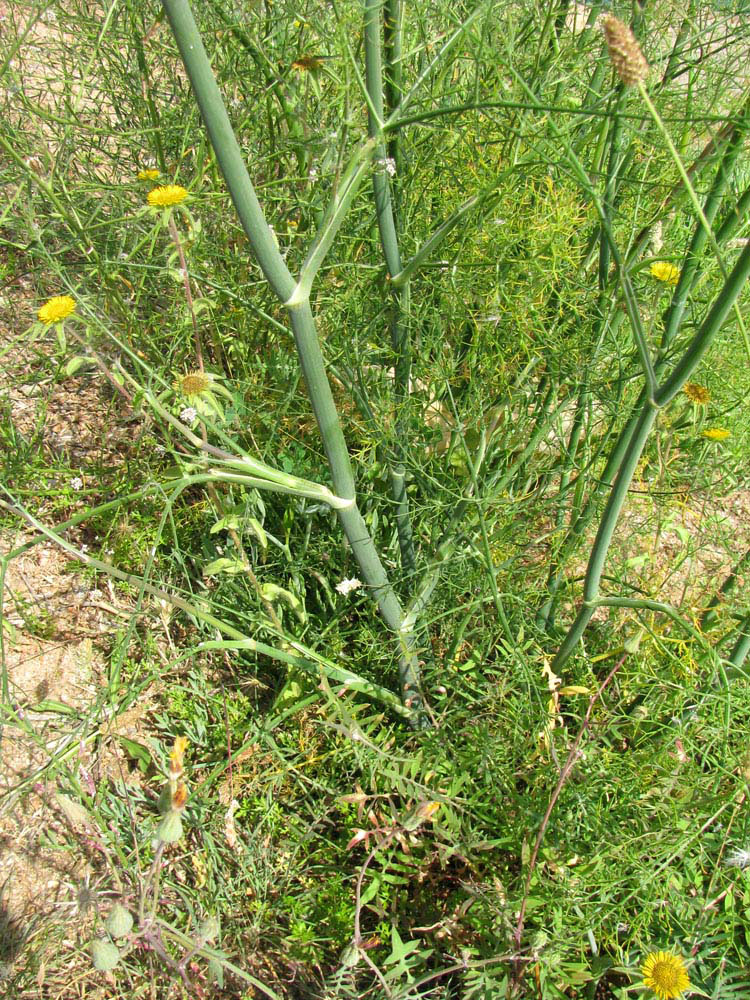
column 177, row 757
column 662, row 270
column 148, row 175
column 169, row 194
column 180, row 797
column 665, row 974
column 624, row 51
column 56, row 309
column 698, row 394
column 193, row 384
column 717, row 434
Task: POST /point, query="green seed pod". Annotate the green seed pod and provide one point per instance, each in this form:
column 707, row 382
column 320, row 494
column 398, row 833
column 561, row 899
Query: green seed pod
column 119, row 922
column 209, row 929
column 105, row 955
column 170, row 828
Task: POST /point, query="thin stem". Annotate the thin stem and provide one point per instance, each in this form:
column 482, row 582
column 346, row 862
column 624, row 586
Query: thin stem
column 565, row 773
column 188, row 291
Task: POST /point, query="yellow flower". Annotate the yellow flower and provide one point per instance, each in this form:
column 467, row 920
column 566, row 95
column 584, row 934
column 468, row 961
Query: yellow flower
column 662, row 270
column 177, row 757
column 697, row 393
column 148, row 175
column 56, row 308
column 193, row 384
column 169, row 194
column 665, row 974
column 717, row 434
column 201, row 391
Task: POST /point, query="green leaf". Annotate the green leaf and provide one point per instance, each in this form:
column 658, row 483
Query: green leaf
column 75, row 364
column 257, row 529
column 223, row 565
column 216, row 972
column 273, row 593
column 74, row 812
column 230, row 522
column 137, row 751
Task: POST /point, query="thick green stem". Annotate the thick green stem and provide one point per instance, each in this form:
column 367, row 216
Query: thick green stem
column 689, row 275
column 604, row 535
column 690, row 269
column 262, row 241
column 702, row 340
column 610, row 188
column 742, row 646
column 388, row 229
column 227, row 149
column 708, row 330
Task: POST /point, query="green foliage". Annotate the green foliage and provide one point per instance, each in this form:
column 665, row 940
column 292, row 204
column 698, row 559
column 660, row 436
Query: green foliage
column 341, row 854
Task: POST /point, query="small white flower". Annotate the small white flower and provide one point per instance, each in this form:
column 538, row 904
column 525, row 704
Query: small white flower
column 84, row 548
column 76, row 483
column 313, row 174
column 388, row 164
column 188, row 415
column 739, row 858
column 347, row 586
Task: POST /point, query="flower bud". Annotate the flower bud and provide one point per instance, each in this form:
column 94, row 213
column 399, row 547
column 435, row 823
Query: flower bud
column 170, row 829
column 119, row 923
column 104, row 954
column 209, row 929
column 624, row 51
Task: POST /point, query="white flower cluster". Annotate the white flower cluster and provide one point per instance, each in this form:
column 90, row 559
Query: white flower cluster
column 348, row 586
column 388, row 164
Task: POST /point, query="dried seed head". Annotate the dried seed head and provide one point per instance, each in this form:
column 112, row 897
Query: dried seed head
column 624, row 51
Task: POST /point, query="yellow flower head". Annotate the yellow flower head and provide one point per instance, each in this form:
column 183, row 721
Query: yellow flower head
column 169, row 194
column 662, row 270
column 193, row 384
column 717, row 434
column 665, row 974
column 56, row 309
column 698, row 394
column 148, row 175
